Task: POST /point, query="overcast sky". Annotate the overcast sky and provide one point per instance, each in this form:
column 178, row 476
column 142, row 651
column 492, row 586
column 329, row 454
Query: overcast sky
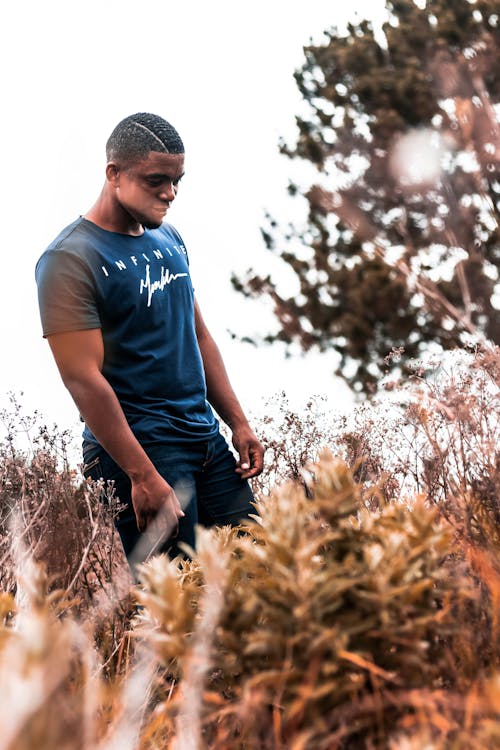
column 222, row 73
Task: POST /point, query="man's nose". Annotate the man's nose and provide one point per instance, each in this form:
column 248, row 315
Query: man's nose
column 168, row 192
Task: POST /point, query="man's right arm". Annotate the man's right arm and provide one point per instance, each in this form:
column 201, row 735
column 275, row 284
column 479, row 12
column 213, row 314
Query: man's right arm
column 79, row 357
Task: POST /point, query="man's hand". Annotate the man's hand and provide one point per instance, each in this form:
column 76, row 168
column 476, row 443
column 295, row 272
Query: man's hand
column 250, row 450
column 154, row 500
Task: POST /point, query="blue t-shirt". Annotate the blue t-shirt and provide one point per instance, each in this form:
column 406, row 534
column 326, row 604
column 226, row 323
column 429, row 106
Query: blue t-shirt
column 138, row 291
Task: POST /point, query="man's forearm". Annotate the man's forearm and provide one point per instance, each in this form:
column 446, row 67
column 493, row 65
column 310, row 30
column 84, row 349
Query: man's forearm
column 101, row 410
column 221, row 395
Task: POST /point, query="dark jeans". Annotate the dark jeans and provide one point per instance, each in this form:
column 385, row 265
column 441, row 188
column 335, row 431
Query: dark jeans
column 204, row 479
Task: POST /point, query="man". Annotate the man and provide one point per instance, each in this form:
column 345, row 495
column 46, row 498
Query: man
column 119, row 312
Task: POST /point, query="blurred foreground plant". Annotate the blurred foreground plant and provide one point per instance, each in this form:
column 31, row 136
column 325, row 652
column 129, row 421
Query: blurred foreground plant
column 332, row 617
column 51, row 691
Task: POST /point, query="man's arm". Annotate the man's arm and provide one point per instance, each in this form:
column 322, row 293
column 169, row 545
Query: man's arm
column 223, row 399
column 79, row 357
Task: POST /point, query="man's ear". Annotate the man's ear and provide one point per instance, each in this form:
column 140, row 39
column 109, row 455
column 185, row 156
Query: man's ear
column 112, row 172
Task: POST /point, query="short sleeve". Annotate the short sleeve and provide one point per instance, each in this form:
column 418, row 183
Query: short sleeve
column 66, row 293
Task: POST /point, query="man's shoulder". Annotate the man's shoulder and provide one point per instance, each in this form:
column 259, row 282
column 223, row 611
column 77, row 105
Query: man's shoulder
column 68, row 234
column 70, row 246
column 73, row 239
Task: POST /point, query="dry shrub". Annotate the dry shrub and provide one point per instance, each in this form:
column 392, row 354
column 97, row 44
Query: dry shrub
column 466, row 722
column 438, row 438
column 50, row 515
column 360, row 609
column 331, row 626
column 292, row 440
column 435, row 435
column 407, row 582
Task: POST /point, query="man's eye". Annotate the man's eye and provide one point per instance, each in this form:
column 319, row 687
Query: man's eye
column 158, row 181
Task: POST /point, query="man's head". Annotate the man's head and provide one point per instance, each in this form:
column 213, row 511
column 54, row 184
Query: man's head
column 137, row 135
column 145, row 165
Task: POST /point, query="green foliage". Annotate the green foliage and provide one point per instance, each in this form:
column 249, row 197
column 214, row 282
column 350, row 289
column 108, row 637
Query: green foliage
column 401, row 245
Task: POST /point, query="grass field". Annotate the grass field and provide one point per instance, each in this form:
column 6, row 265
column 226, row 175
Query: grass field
column 358, row 609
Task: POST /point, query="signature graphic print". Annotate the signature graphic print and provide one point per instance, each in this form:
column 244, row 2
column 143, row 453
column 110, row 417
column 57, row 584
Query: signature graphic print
column 166, row 278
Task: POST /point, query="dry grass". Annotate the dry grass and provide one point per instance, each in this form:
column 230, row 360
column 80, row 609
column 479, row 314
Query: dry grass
column 359, row 610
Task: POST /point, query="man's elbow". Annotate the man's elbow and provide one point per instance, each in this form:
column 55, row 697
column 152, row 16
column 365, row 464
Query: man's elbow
column 81, row 382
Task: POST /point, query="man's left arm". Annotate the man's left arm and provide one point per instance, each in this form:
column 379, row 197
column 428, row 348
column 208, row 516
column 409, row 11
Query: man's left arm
column 223, row 399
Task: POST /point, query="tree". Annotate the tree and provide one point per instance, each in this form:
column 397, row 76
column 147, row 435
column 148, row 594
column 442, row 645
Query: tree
column 400, row 247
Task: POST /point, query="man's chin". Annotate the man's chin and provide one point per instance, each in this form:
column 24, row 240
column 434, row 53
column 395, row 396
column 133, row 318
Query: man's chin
column 151, row 223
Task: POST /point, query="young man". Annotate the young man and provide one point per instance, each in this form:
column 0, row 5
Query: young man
column 119, row 312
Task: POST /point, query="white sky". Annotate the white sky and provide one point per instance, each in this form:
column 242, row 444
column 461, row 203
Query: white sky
column 222, row 73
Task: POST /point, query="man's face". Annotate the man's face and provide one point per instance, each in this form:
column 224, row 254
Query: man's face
column 146, row 188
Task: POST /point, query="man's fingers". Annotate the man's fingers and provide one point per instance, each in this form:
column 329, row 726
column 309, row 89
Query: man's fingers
column 250, row 473
column 244, row 462
column 167, row 515
column 251, row 466
column 257, row 459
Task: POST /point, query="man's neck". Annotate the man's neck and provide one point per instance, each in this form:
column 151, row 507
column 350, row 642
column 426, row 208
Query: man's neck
column 108, row 215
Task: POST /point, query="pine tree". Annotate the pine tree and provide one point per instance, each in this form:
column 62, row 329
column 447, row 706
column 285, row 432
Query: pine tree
column 401, row 244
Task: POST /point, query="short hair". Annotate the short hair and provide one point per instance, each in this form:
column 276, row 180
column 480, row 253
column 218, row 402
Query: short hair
column 135, row 136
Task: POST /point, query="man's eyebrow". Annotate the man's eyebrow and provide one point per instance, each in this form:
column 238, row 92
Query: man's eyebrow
column 164, row 175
